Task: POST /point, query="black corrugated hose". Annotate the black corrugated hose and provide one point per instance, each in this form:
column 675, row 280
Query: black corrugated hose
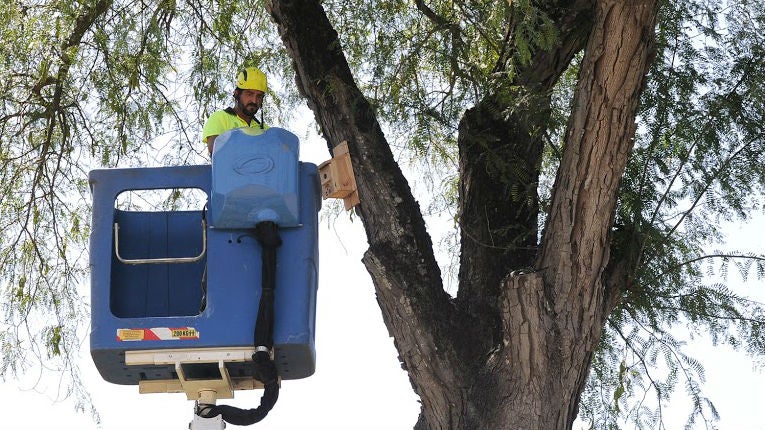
column 267, row 234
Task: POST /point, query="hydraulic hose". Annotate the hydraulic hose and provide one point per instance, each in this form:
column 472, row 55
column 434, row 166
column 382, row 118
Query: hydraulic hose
column 267, row 234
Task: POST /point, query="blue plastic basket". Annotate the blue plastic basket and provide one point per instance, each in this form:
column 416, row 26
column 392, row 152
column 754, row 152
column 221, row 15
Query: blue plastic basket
column 162, row 305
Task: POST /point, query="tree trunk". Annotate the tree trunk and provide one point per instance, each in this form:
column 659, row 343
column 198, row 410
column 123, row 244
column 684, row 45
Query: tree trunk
column 417, row 311
column 513, row 352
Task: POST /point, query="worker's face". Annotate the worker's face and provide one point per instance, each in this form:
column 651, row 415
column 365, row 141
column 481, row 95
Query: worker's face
column 250, row 101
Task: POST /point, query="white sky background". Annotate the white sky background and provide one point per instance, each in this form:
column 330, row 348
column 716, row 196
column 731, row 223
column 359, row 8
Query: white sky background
column 359, row 383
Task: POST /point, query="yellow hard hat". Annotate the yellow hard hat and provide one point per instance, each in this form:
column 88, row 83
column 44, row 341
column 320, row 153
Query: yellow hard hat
column 251, row 78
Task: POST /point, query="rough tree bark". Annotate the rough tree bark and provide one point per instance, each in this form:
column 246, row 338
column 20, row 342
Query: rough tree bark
column 513, row 350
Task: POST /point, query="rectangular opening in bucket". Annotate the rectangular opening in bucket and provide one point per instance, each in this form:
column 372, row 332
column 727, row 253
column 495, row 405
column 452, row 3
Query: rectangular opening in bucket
column 158, row 260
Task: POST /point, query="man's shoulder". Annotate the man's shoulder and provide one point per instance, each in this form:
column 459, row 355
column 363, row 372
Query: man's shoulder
column 223, row 113
column 221, row 118
column 217, row 123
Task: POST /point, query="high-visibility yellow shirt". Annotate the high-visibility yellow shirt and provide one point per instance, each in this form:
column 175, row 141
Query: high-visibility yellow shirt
column 224, row 120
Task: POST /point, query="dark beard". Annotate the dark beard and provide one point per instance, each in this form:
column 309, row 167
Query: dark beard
column 250, row 109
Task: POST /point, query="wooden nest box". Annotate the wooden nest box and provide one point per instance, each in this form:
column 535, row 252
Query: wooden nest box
column 337, row 179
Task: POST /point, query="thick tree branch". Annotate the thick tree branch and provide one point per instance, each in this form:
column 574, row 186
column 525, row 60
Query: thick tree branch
column 599, row 139
column 417, row 311
column 575, row 245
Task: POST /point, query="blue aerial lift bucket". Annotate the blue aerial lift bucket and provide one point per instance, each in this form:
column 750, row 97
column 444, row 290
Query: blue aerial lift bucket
column 156, row 322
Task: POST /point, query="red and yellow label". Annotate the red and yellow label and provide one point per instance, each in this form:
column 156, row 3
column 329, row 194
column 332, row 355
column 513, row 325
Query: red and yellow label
column 157, row 333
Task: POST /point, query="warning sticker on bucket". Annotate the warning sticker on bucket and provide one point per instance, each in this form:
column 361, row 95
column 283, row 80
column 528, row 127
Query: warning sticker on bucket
column 157, row 333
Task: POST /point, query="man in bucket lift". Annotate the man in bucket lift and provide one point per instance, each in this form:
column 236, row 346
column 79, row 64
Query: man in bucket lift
column 250, row 90
column 251, row 87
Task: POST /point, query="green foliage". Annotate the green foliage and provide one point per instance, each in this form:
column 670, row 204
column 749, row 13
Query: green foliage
column 698, row 161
